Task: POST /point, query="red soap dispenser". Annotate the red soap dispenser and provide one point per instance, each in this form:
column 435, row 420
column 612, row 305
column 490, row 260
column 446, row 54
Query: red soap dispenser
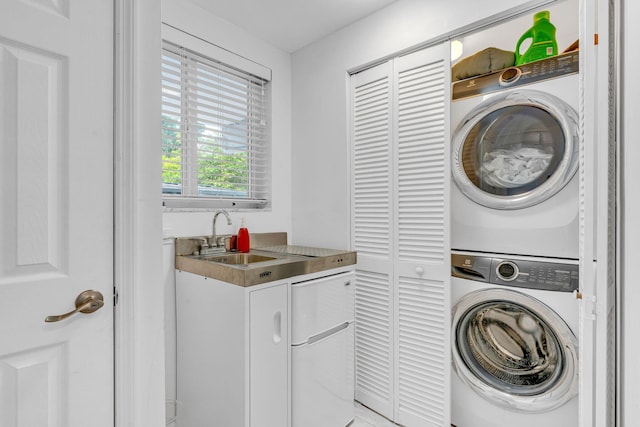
column 243, row 238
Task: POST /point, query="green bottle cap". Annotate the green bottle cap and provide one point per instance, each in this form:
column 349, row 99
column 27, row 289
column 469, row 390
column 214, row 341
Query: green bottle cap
column 544, row 14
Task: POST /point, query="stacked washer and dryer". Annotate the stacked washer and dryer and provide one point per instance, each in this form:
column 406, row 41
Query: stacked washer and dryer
column 514, row 239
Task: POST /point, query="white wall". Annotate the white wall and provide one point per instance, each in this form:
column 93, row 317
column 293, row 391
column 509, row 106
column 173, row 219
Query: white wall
column 320, row 103
column 189, row 17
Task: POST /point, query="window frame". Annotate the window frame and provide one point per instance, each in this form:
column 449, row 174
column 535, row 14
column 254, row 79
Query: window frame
column 174, row 39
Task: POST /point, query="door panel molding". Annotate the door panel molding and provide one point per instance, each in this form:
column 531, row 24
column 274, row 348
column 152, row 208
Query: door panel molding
column 34, row 113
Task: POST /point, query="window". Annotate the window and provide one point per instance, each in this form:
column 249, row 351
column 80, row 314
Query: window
column 215, row 131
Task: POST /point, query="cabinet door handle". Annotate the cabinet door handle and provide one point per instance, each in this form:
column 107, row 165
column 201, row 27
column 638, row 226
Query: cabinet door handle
column 277, row 327
column 322, row 335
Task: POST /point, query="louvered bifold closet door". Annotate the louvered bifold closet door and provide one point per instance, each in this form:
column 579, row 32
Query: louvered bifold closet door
column 371, row 127
column 422, row 262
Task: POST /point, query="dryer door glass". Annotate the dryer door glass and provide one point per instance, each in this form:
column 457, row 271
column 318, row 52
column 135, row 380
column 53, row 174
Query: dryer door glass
column 513, row 150
column 510, row 348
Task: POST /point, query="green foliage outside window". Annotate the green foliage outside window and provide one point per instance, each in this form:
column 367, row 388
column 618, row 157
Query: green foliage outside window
column 218, row 167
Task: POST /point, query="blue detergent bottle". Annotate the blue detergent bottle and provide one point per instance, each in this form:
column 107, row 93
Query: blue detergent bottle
column 543, row 40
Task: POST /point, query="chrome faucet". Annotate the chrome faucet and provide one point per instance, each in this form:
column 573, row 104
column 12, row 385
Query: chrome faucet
column 213, row 226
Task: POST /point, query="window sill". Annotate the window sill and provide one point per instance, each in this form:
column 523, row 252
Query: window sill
column 182, row 204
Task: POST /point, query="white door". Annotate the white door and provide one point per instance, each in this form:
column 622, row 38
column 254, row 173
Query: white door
column 371, row 186
column 56, row 220
column 421, row 227
column 400, row 230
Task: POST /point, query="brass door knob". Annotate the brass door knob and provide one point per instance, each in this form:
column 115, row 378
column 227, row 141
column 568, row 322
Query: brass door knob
column 86, row 302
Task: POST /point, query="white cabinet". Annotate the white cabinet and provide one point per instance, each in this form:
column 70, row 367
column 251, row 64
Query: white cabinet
column 234, row 357
column 232, row 353
column 400, row 229
column 269, row 353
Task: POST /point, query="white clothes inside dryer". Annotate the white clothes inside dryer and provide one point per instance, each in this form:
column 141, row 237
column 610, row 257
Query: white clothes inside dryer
column 513, row 150
column 512, row 168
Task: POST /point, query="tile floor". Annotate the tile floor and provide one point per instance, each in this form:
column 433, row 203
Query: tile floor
column 367, row 418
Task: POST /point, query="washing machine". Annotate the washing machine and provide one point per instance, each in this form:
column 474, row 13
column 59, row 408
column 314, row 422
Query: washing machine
column 515, row 158
column 514, row 345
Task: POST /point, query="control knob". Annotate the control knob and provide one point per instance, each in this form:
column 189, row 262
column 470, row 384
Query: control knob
column 509, row 76
column 507, row 271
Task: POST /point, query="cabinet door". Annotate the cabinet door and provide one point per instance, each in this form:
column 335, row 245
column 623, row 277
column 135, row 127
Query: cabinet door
column 320, row 304
column 322, row 381
column 269, row 357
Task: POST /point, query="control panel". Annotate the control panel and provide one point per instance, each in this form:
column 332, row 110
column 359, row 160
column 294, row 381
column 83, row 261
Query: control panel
column 548, row 68
column 520, row 272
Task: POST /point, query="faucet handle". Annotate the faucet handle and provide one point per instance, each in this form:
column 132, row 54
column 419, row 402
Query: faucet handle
column 204, row 242
column 220, row 241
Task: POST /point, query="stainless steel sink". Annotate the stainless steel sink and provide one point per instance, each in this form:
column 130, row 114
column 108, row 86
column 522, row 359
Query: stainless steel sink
column 264, row 264
column 237, row 259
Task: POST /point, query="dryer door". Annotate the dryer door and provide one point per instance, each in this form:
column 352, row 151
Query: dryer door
column 516, row 149
column 513, row 350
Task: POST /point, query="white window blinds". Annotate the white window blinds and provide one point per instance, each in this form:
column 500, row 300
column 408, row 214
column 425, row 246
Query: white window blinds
column 215, row 133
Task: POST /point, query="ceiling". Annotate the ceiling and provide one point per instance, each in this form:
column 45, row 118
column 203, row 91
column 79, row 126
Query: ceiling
column 292, row 24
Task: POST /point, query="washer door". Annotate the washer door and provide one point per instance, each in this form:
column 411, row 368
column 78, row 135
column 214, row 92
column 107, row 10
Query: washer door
column 514, row 350
column 516, row 149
